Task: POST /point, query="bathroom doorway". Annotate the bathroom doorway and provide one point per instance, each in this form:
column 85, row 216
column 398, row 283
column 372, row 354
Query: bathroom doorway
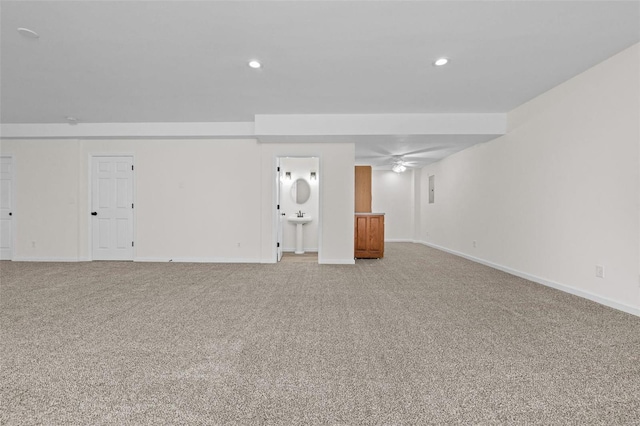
column 298, row 199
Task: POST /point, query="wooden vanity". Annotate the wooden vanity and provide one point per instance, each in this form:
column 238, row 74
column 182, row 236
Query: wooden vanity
column 369, row 236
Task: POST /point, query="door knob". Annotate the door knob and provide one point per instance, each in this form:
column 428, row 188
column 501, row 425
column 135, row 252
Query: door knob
column 10, row 214
column 94, row 213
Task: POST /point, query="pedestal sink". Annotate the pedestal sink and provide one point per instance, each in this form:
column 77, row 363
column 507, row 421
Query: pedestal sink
column 299, row 221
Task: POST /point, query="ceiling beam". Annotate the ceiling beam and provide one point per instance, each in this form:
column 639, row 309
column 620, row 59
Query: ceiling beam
column 380, row 124
column 267, row 125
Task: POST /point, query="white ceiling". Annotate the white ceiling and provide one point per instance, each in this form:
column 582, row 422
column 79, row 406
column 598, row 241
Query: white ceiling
column 186, row 61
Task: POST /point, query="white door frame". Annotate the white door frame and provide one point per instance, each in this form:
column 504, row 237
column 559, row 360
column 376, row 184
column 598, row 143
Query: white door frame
column 276, row 215
column 13, row 204
column 90, row 199
column 279, row 225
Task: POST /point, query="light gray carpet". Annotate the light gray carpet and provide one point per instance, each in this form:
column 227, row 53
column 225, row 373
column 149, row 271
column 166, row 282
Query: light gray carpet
column 419, row 337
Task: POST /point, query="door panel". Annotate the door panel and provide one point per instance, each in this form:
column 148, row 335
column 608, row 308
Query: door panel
column 6, row 208
column 112, row 201
column 123, row 233
column 369, row 237
column 375, row 229
column 103, row 233
column 361, row 233
column 5, row 192
column 104, row 192
column 122, row 194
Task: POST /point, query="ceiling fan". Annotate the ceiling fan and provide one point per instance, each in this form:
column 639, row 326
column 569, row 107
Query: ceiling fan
column 401, row 162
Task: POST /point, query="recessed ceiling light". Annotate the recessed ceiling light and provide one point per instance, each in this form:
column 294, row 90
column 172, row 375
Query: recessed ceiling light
column 28, row 33
column 255, row 64
column 440, row 62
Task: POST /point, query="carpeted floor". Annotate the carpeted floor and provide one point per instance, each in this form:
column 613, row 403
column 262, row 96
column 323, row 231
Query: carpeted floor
column 419, row 337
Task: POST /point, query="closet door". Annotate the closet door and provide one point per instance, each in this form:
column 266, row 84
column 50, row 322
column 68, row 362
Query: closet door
column 6, row 208
column 112, row 208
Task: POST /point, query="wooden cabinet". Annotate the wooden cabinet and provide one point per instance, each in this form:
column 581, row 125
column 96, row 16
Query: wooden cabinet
column 369, row 236
column 369, row 227
column 363, row 189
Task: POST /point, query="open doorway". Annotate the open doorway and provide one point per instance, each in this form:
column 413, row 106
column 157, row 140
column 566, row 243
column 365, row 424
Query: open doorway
column 299, row 208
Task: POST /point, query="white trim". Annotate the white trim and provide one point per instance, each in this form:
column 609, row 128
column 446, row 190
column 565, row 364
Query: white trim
column 127, row 130
column 90, row 199
column 336, row 261
column 274, row 232
column 14, row 226
column 562, row 287
column 321, row 203
column 227, row 260
column 196, row 260
column 399, row 240
column 275, row 200
column 273, row 125
column 50, row 259
column 278, row 218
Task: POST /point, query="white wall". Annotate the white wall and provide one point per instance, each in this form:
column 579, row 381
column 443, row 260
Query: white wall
column 300, row 168
column 46, row 198
column 392, row 194
column 196, row 200
column 558, row 194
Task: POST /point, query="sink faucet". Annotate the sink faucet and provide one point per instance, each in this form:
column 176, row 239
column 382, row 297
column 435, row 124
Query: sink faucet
column 300, row 214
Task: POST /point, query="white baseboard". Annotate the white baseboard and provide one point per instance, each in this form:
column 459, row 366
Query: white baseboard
column 399, row 240
column 562, row 287
column 49, row 259
column 293, row 249
column 337, row 261
column 196, row 260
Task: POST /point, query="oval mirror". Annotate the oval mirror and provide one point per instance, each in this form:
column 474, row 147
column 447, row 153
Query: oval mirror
column 300, row 191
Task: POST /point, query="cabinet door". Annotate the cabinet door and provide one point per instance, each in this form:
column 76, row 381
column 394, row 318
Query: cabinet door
column 369, row 237
column 361, row 235
column 363, row 189
column 376, row 236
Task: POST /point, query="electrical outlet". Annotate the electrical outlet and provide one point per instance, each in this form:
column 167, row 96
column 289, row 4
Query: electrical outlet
column 238, row 244
column 599, row 271
column 474, row 243
column 33, row 244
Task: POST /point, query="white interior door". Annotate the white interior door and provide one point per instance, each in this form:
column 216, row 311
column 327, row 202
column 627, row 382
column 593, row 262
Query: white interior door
column 6, row 208
column 112, row 208
column 279, row 212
